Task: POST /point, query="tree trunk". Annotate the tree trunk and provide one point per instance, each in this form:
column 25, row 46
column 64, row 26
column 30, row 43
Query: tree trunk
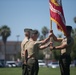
column 5, row 51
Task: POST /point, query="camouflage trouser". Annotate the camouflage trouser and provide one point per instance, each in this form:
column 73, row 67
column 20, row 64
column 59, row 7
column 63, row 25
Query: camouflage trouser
column 64, row 63
column 24, row 69
column 33, row 66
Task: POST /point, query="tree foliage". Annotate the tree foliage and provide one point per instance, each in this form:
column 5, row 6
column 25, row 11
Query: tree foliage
column 74, row 19
column 73, row 54
column 45, row 31
column 5, row 33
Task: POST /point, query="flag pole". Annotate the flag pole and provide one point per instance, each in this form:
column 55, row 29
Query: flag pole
column 50, row 24
column 51, row 39
column 51, row 29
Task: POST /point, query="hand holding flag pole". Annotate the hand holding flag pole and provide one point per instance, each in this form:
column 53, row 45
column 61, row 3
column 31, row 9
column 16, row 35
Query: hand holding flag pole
column 57, row 15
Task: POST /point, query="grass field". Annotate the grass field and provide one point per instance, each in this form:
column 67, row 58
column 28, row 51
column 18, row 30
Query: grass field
column 42, row 71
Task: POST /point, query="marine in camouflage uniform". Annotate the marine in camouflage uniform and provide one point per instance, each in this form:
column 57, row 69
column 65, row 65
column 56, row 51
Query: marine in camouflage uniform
column 66, row 48
column 33, row 46
column 23, row 53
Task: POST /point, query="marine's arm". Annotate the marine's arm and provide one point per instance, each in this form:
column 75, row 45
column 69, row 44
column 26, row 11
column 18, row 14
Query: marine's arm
column 46, row 40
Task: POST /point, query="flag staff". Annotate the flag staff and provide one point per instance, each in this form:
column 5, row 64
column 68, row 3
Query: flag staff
column 50, row 24
column 51, row 39
column 51, row 29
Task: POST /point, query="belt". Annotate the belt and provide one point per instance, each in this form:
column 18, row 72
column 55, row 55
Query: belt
column 32, row 57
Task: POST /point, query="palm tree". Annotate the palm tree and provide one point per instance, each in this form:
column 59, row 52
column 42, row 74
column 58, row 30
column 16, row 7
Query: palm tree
column 41, row 37
column 46, row 51
column 0, row 31
column 73, row 54
column 45, row 31
column 5, row 33
column 75, row 19
column 74, row 30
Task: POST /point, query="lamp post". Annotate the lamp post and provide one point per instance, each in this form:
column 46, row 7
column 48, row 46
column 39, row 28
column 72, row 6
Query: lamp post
column 18, row 38
column 17, row 45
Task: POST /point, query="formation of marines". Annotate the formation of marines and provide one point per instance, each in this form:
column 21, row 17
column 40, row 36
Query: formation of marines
column 30, row 47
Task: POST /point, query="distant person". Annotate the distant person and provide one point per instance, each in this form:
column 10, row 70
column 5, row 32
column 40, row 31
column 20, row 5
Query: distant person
column 33, row 46
column 66, row 48
column 26, row 39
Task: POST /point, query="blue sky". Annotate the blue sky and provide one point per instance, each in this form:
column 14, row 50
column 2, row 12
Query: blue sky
column 20, row 14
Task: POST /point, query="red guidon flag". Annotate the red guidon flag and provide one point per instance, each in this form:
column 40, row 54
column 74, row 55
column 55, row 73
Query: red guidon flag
column 57, row 15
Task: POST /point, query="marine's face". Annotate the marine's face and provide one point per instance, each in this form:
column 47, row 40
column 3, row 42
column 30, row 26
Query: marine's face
column 35, row 37
column 27, row 34
column 68, row 33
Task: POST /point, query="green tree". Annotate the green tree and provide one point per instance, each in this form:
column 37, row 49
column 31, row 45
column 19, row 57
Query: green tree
column 74, row 32
column 73, row 53
column 41, row 37
column 74, row 19
column 0, row 32
column 45, row 31
column 5, row 33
